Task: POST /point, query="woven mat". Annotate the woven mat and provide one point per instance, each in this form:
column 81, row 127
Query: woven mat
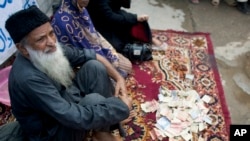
column 187, row 53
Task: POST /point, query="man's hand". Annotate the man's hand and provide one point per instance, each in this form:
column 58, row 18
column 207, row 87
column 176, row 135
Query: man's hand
column 121, row 92
column 120, row 87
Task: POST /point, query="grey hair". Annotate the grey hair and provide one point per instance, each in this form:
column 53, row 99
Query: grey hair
column 24, row 41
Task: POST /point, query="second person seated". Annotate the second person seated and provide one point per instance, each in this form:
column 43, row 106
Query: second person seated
column 73, row 26
column 112, row 19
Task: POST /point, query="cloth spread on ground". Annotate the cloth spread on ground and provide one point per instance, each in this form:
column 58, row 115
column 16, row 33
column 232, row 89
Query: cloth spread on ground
column 187, row 64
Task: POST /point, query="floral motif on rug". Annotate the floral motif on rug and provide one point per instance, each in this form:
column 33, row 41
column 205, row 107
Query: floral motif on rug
column 187, row 54
column 5, row 114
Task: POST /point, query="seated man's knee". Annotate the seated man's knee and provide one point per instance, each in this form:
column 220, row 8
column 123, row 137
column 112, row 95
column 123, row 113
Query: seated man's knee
column 92, row 99
column 95, row 65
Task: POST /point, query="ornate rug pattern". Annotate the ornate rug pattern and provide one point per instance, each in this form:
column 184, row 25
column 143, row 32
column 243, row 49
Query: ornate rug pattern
column 187, row 53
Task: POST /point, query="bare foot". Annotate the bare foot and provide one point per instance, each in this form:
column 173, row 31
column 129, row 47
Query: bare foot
column 163, row 47
column 105, row 136
column 156, row 41
column 158, row 45
column 131, row 115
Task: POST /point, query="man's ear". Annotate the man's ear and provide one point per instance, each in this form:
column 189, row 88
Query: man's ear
column 22, row 49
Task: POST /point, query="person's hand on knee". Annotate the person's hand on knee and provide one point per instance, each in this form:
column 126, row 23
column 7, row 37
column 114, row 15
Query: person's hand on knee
column 120, row 87
column 127, row 100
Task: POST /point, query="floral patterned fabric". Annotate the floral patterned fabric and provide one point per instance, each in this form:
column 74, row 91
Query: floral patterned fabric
column 75, row 28
column 187, row 53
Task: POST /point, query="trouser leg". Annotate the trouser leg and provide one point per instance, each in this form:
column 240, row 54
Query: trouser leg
column 11, row 132
column 93, row 81
column 69, row 134
column 93, row 78
column 94, row 98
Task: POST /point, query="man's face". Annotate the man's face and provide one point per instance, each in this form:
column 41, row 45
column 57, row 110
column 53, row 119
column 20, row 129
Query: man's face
column 54, row 64
column 47, row 55
column 42, row 38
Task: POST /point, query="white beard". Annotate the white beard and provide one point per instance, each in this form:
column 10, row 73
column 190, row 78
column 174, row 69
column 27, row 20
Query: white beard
column 54, row 64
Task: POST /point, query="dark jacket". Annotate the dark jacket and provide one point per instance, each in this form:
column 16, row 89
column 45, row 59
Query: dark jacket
column 111, row 21
column 38, row 105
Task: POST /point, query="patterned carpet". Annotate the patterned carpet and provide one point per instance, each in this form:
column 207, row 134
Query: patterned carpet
column 187, row 53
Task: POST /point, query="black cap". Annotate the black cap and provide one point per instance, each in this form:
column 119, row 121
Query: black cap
column 24, row 21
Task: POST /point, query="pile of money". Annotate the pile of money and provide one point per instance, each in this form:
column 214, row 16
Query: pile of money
column 179, row 114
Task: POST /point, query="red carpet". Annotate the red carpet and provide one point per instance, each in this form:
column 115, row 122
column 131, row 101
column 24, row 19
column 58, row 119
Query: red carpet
column 187, row 53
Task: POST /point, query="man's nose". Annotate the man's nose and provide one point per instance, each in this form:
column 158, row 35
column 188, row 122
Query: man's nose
column 51, row 41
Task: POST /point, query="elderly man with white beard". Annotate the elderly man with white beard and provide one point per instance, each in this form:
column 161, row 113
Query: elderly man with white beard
column 49, row 100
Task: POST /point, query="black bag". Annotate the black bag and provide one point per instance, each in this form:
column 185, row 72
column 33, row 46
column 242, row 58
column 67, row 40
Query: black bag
column 138, row 52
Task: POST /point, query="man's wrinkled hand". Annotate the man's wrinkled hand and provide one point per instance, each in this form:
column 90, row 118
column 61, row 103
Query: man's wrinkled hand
column 120, row 88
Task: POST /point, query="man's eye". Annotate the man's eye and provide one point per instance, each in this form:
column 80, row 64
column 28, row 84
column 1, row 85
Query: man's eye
column 52, row 33
column 40, row 39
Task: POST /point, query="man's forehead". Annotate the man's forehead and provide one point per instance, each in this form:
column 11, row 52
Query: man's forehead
column 41, row 30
